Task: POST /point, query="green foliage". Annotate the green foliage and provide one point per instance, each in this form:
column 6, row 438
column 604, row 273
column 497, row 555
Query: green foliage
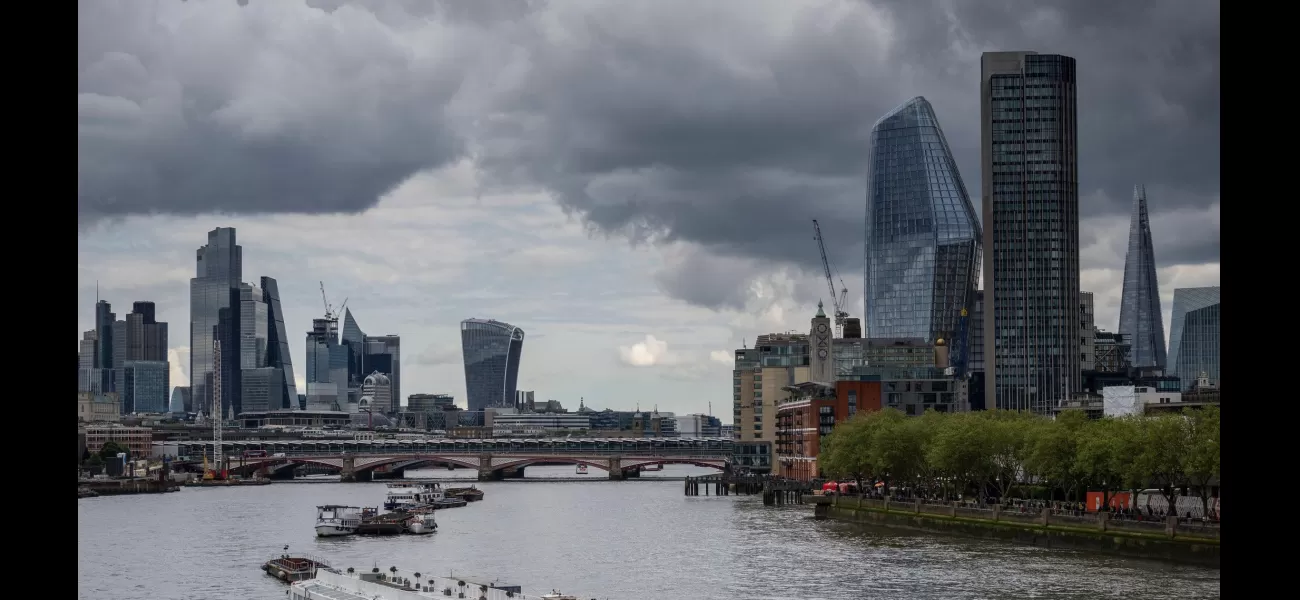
column 111, row 449
column 1016, row 453
column 95, row 461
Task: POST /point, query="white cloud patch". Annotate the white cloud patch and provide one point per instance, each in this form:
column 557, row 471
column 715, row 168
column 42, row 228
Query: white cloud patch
column 722, row 356
column 649, row 352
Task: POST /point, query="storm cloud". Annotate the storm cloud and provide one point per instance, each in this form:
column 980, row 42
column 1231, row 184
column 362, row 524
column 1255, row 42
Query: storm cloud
column 726, row 125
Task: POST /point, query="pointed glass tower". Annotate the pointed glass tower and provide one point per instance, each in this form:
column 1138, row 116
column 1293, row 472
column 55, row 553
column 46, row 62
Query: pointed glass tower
column 1140, row 319
column 922, row 236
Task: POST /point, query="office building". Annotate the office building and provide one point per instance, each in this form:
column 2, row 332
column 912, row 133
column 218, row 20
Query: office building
column 525, row 400
column 537, row 423
column 383, row 353
column 214, row 288
column 1140, row 317
column 89, row 378
column 975, row 363
column 261, row 389
column 760, row 378
column 698, row 425
column 277, row 348
column 144, row 386
column 922, row 235
column 1194, row 336
column 1030, row 191
column 378, row 389
column 104, row 348
column 492, row 350
column 1087, row 333
column 180, row 398
column 429, row 403
column 327, row 367
column 355, row 340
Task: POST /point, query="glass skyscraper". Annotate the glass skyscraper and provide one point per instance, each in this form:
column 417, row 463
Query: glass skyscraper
column 1194, row 335
column 1140, row 317
column 922, row 236
column 144, row 386
column 1030, row 196
column 492, row 350
column 219, row 268
column 277, row 348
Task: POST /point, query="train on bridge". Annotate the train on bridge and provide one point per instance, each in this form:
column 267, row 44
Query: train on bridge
column 197, row 449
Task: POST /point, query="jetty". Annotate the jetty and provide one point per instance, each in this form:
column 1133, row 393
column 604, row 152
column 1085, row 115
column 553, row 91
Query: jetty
column 289, row 568
column 89, row 488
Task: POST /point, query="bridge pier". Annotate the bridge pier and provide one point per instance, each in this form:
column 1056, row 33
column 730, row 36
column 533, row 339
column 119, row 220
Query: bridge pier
column 349, row 473
column 616, row 469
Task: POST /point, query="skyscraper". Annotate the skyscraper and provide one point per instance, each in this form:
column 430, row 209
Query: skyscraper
column 277, row 348
column 383, row 353
column 1194, row 335
column 492, row 350
column 355, row 340
column 1030, row 191
column 327, row 366
column 215, row 286
column 144, row 385
column 1140, row 317
column 104, row 323
column 922, row 236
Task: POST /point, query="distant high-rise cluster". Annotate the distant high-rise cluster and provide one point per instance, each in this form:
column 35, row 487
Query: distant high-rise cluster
column 126, row 357
column 343, row 370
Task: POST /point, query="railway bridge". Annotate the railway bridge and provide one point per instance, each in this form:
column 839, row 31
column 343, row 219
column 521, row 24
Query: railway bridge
column 491, row 459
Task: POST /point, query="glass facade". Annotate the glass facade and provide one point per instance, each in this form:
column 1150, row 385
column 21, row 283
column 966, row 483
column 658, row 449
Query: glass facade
column 355, row 340
column 277, row 345
column 1194, row 335
column 922, row 236
column 253, row 327
column 145, row 385
column 491, row 350
column 219, row 269
column 1030, row 193
column 1140, row 317
column 383, row 353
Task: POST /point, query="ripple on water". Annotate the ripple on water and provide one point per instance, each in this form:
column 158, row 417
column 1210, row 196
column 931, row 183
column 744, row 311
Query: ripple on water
column 636, row 540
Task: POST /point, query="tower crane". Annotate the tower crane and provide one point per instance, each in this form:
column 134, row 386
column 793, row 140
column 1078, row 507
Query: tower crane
column 836, row 300
column 329, row 310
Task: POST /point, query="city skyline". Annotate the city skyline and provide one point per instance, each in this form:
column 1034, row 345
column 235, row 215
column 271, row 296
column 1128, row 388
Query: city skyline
column 715, row 184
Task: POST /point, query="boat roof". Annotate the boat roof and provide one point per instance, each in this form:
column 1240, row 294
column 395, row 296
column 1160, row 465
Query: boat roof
column 325, row 506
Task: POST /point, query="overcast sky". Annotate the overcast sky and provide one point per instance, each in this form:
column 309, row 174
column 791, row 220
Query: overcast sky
column 632, row 183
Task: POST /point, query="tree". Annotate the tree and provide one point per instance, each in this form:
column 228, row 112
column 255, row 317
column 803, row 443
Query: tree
column 1201, row 461
column 1101, row 458
column 95, row 461
column 1053, row 451
column 85, row 455
column 844, row 451
column 111, row 449
column 1008, row 435
column 960, row 451
column 1158, row 451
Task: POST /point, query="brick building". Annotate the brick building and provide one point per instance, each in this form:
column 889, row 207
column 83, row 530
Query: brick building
column 811, row 411
column 138, row 439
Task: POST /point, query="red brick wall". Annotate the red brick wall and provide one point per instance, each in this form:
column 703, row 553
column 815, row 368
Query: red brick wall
column 868, row 396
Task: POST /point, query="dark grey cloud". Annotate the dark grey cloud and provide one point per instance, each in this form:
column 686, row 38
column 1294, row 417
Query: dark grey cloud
column 729, row 124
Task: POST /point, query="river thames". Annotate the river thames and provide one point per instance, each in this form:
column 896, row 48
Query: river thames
column 633, row 540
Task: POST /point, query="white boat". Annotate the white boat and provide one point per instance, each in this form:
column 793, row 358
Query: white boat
column 422, row 523
column 335, row 520
column 372, row 583
column 582, row 469
column 405, row 496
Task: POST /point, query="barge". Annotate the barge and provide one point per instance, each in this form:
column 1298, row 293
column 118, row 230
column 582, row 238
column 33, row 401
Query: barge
column 468, row 494
column 288, row 568
column 375, row 584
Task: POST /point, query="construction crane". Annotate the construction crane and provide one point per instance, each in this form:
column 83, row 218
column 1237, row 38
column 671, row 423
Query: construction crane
column 836, row 300
column 329, row 310
column 218, row 470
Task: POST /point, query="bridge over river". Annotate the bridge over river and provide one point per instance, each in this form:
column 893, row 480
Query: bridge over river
column 361, row 460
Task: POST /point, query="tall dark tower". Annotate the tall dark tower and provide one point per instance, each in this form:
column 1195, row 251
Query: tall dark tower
column 1140, row 319
column 1030, row 190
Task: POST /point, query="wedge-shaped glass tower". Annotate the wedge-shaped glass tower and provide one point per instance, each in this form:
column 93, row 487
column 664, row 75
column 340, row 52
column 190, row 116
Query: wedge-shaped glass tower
column 1194, row 335
column 922, row 235
column 1140, row 319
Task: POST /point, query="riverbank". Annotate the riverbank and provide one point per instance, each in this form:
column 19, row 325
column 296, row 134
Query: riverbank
column 1168, row 541
column 89, row 488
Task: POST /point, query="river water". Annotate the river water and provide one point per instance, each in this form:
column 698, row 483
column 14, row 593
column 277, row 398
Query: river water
column 633, row 540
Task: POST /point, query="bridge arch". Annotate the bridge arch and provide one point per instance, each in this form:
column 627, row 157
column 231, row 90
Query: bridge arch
column 406, row 462
column 600, row 463
column 629, row 464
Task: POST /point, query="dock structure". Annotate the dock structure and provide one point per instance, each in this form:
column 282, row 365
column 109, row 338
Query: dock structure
column 775, row 491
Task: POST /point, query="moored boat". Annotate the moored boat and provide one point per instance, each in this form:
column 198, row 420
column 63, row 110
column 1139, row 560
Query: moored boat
column 289, row 568
column 407, row 495
column 336, row 520
column 421, row 523
column 582, row 469
column 468, row 494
